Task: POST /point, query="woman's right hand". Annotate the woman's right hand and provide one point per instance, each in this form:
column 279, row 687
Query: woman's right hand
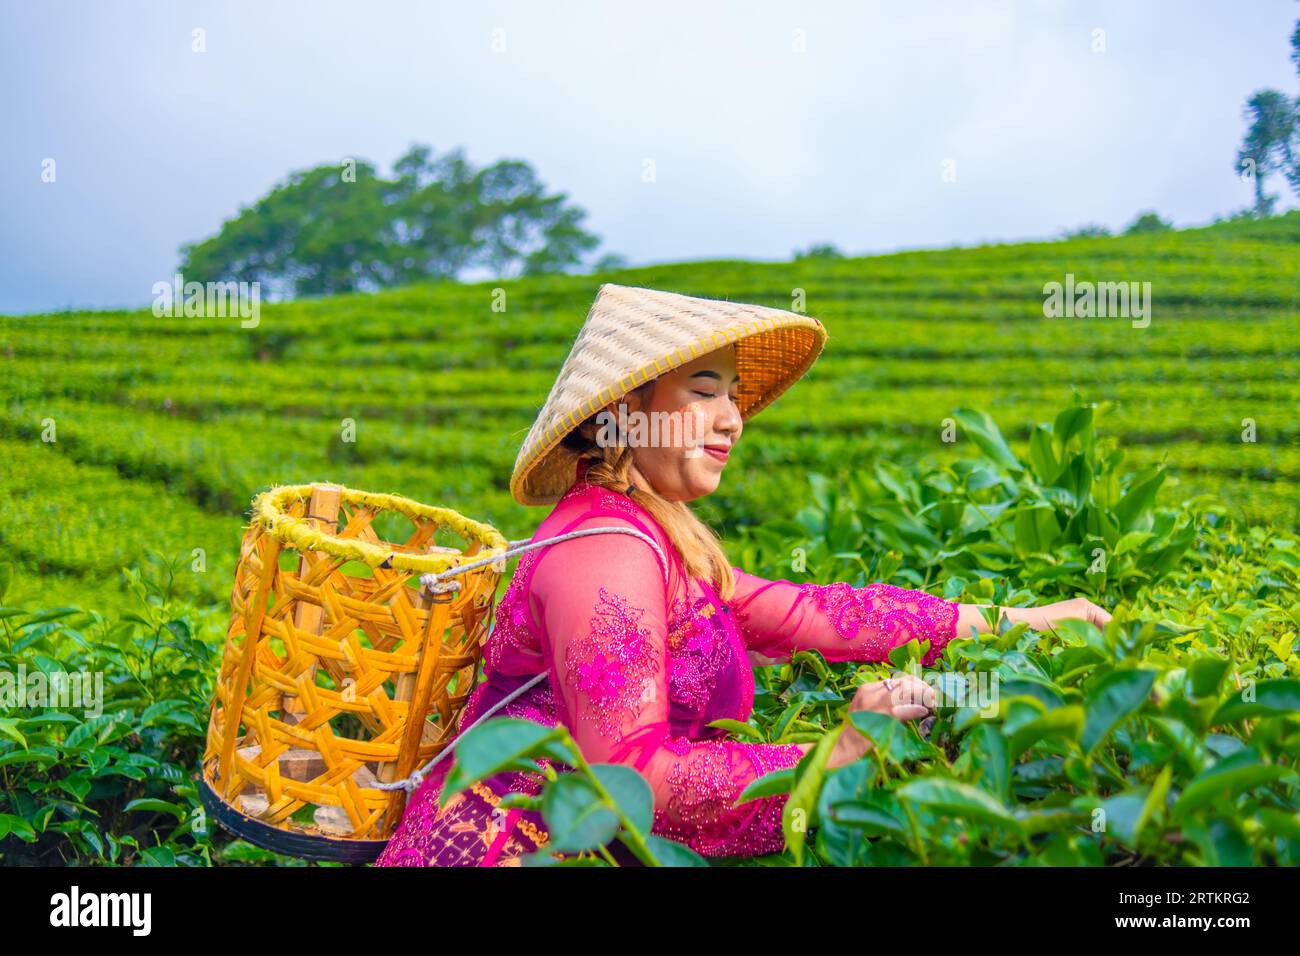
column 903, row 698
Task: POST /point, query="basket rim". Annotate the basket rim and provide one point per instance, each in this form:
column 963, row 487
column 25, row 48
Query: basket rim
column 269, row 512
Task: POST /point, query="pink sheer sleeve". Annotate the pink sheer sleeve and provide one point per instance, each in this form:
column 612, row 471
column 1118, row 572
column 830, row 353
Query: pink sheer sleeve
column 841, row 622
column 602, row 603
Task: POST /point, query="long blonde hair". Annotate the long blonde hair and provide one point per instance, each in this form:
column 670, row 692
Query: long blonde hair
column 695, row 542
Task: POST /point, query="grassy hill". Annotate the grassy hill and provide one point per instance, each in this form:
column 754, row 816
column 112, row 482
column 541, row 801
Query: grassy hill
column 166, row 427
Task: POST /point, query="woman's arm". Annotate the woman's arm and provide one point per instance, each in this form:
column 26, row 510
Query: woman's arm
column 844, row 623
column 1039, row 618
column 839, row 621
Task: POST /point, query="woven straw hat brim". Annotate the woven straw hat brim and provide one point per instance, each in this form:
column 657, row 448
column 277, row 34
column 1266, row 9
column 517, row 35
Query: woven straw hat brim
column 633, row 335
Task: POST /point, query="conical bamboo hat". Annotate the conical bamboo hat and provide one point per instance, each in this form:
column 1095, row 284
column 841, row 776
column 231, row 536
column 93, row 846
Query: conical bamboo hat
column 633, row 335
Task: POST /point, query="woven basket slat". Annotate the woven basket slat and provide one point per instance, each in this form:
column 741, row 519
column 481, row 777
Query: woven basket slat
column 242, row 666
column 420, row 694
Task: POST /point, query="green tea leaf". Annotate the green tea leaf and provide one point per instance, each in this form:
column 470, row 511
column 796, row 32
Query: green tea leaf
column 1279, row 696
column 1134, row 510
column 673, row 852
column 1073, row 421
column 630, row 791
column 158, row 806
column 1064, row 722
column 1205, row 674
column 959, row 800
column 1227, row 778
column 985, row 434
column 738, row 728
column 1132, row 541
column 1118, row 695
column 801, row 805
column 1044, row 460
column 498, row 744
column 576, row 815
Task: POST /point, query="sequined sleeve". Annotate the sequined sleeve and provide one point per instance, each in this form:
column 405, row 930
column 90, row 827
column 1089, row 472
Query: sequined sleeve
column 603, row 603
column 841, row 622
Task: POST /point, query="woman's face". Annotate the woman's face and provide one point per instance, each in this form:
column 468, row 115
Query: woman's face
column 688, row 425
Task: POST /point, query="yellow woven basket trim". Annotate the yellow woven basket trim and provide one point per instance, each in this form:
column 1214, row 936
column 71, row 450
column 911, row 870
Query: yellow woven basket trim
column 270, row 510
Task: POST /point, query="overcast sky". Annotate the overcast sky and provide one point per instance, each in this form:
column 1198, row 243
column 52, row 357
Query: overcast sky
column 771, row 126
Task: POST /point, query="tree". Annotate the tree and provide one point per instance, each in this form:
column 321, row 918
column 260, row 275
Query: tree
column 345, row 228
column 1272, row 142
column 1293, row 145
column 1267, row 147
column 821, row 250
column 1091, row 230
column 1147, row 222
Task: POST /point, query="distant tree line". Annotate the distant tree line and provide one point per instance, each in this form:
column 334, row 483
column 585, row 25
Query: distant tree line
column 346, row 228
column 1145, row 224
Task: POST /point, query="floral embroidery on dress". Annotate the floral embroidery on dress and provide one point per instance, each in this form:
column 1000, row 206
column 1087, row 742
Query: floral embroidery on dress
column 748, row 633
column 698, row 652
column 618, row 503
column 511, row 631
column 704, row 787
column 890, row 616
column 613, row 664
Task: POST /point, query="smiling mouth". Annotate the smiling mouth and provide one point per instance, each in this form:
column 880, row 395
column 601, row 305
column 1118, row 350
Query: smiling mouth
column 720, row 452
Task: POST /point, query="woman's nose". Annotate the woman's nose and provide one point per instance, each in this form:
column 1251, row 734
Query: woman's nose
column 730, row 422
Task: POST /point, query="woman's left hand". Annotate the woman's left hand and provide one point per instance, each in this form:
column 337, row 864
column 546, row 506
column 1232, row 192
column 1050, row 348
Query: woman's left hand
column 1042, row 618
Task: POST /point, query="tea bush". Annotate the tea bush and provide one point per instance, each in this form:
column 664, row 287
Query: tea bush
column 106, row 775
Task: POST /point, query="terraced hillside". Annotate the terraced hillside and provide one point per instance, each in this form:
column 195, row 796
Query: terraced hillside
column 165, row 428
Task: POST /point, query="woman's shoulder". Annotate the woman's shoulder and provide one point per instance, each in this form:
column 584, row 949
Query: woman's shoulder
column 586, row 506
column 584, row 501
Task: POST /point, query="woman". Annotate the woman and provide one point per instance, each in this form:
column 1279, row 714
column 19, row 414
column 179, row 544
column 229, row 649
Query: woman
column 645, row 646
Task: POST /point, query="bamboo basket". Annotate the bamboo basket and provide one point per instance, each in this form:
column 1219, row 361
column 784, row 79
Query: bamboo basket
column 338, row 671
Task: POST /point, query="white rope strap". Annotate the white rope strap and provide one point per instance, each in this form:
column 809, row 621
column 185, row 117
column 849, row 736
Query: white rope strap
column 441, row 583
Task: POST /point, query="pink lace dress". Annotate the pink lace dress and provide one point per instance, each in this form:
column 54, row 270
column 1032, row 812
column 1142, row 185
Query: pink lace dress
column 639, row 663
